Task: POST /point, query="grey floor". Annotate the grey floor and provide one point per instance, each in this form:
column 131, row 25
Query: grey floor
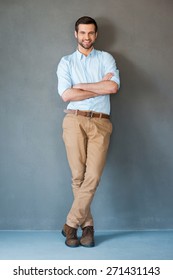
column 110, row 245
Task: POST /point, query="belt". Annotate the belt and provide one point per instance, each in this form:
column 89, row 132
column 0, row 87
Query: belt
column 89, row 114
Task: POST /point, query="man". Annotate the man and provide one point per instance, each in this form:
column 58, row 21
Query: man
column 86, row 78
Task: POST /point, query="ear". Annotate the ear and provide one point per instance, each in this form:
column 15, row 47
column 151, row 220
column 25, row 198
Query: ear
column 75, row 34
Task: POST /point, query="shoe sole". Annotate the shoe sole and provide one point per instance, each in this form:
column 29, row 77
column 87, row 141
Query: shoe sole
column 71, row 246
column 88, row 245
column 63, row 233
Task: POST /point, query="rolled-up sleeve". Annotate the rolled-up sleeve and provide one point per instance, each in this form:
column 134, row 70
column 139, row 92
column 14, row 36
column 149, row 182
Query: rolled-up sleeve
column 111, row 67
column 63, row 74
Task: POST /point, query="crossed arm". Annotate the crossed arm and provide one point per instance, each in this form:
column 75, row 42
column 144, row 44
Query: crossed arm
column 87, row 90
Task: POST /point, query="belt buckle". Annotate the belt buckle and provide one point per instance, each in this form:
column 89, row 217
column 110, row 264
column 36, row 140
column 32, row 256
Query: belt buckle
column 90, row 114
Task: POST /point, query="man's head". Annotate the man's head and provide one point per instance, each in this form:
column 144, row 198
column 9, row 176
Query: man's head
column 85, row 20
column 85, row 33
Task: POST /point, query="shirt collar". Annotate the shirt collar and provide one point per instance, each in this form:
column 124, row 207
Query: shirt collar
column 80, row 55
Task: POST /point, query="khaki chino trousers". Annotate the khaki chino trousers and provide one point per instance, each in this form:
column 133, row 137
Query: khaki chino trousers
column 86, row 141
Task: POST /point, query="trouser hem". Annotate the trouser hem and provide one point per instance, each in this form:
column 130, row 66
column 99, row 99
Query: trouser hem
column 72, row 225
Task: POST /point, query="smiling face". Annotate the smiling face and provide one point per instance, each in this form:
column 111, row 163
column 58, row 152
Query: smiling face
column 86, row 36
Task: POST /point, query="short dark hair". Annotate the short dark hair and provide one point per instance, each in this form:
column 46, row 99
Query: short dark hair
column 85, row 20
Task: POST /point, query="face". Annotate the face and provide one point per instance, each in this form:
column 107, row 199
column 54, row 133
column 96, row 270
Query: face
column 86, row 36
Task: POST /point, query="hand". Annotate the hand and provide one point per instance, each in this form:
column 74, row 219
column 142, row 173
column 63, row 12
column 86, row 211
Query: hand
column 108, row 77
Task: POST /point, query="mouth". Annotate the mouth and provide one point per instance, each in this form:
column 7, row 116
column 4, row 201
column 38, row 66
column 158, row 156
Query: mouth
column 87, row 42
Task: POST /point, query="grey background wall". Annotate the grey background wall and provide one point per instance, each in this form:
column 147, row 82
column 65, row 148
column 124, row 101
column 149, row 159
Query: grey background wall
column 136, row 189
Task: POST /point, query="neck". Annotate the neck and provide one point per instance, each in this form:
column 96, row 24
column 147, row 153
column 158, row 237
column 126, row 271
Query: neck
column 84, row 51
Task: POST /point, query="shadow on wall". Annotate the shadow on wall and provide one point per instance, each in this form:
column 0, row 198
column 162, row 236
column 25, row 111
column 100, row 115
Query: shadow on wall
column 140, row 150
column 107, row 34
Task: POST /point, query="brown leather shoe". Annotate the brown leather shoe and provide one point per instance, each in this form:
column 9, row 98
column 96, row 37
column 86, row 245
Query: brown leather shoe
column 87, row 239
column 71, row 236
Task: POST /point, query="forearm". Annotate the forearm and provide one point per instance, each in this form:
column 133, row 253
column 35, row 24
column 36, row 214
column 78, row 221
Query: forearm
column 84, row 91
column 77, row 94
column 102, row 87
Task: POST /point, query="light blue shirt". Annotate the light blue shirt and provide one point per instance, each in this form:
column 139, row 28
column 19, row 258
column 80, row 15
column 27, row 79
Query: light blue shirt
column 77, row 68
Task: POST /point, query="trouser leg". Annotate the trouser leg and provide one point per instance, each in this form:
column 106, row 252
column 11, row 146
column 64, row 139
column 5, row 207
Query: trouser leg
column 86, row 142
column 75, row 139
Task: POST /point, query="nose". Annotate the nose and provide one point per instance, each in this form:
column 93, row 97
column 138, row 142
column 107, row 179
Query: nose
column 86, row 36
